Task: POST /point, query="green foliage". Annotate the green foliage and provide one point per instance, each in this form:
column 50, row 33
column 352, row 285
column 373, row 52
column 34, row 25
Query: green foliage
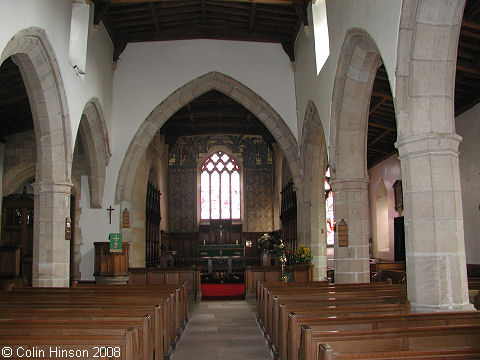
column 303, row 254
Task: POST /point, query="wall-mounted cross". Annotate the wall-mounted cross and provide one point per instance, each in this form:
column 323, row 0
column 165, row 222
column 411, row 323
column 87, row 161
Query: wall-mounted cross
column 110, row 209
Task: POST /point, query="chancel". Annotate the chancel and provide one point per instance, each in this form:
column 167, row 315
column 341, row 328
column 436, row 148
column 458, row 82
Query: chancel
column 292, row 160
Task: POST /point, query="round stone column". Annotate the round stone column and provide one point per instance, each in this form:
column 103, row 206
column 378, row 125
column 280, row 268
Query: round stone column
column 51, row 252
column 435, row 249
column 351, row 204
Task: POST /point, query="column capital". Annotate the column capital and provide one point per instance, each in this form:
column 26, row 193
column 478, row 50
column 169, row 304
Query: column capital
column 51, row 186
column 433, row 143
column 349, row 184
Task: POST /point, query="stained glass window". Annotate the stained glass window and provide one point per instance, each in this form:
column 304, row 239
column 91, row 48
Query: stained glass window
column 220, row 188
column 329, row 210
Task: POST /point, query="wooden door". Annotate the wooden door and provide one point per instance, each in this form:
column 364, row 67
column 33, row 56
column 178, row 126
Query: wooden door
column 17, row 229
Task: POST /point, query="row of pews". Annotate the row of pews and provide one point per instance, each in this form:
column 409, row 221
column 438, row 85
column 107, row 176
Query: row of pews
column 92, row 322
column 317, row 320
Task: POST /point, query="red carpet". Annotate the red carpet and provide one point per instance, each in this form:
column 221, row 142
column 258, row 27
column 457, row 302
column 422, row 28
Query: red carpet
column 223, row 291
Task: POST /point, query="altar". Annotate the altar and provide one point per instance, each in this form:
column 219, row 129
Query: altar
column 222, row 257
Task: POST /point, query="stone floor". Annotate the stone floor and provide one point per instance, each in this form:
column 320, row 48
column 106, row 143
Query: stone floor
column 222, row 330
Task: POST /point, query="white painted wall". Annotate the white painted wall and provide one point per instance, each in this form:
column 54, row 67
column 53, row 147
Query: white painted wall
column 468, row 126
column 380, row 18
column 94, row 224
column 54, row 16
column 147, row 73
column 388, row 171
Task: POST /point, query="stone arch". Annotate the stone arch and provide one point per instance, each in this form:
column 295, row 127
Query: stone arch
column 184, row 95
column 428, row 153
column 313, row 164
column 358, row 63
column 32, row 53
column 18, row 175
column 94, row 134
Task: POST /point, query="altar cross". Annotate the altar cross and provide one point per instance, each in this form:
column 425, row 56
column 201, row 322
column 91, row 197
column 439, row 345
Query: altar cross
column 110, row 209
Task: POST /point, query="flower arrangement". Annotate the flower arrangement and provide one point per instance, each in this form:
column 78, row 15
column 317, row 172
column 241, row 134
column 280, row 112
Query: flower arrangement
column 303, row 254
column 265, row 241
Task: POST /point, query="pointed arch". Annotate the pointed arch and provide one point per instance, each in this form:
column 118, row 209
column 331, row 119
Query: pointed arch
column 358, row 63
column 313, row 164
column 93, row 132
column 18, row 175
column 184, row 95
column 32, row 52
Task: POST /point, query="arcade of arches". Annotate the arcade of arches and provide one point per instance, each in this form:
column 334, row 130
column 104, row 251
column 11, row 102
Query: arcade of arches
column 195, row 147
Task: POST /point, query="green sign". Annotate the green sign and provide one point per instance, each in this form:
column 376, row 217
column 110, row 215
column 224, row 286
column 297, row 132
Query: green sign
column 115, row 242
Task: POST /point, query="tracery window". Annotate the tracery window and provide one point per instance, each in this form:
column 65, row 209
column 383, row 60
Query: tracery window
column 220, row 188
column 329, row 210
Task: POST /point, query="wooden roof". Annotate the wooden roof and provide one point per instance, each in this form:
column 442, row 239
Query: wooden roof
column 274, row 21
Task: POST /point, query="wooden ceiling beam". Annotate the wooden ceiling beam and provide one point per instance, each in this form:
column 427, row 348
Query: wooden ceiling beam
column 381, row 126
column 153, row 9
column 251, row 22
column 379, row 137
column 100, row 9
column 376, row 106
column 204, row 11
column 471, row 69
column 384, row 95
column 470, row 24
column 266, row 2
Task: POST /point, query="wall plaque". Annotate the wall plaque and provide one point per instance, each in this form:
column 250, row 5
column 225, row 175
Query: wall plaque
column 126, row 219
column 342, row 229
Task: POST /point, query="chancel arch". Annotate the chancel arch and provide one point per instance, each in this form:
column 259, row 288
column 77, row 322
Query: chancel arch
column 313, row 164
column 31, row 51
column 213, row 81
column 184, row 95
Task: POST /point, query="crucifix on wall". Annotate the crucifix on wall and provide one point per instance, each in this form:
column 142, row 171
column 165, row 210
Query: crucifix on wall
column 110, row 209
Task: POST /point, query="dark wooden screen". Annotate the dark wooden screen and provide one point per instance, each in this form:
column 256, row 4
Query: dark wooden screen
column 17, row 229
column 288, row 214
column 152, row 224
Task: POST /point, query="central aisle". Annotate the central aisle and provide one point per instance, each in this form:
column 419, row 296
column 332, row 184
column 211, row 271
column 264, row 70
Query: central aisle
column 222, row 330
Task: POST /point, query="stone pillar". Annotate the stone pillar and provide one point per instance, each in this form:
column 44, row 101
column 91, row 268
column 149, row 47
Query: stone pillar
column 435, row 249
column 351, row 204
column 277, row 185
column 51, row 252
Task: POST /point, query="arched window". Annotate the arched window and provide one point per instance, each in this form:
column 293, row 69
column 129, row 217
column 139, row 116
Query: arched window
column 220, row 188
column 329, row 210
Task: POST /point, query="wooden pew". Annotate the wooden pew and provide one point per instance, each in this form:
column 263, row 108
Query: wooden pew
column 322, row 298
column 54, row 327
column 88, row 345
column 457, row 353
column 107, row 302
column 178, row 305
column 34, row 308
column 408, row 337
column 291, row 316
column 377, row 321
column 265, row 289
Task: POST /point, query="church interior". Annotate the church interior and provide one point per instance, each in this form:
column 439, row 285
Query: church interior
column 295, row 160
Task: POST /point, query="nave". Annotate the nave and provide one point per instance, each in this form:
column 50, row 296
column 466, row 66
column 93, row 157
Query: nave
column 222, row 330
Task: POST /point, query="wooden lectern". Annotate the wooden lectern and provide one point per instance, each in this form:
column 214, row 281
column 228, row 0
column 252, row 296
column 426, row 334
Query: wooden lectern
column 111, row 267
